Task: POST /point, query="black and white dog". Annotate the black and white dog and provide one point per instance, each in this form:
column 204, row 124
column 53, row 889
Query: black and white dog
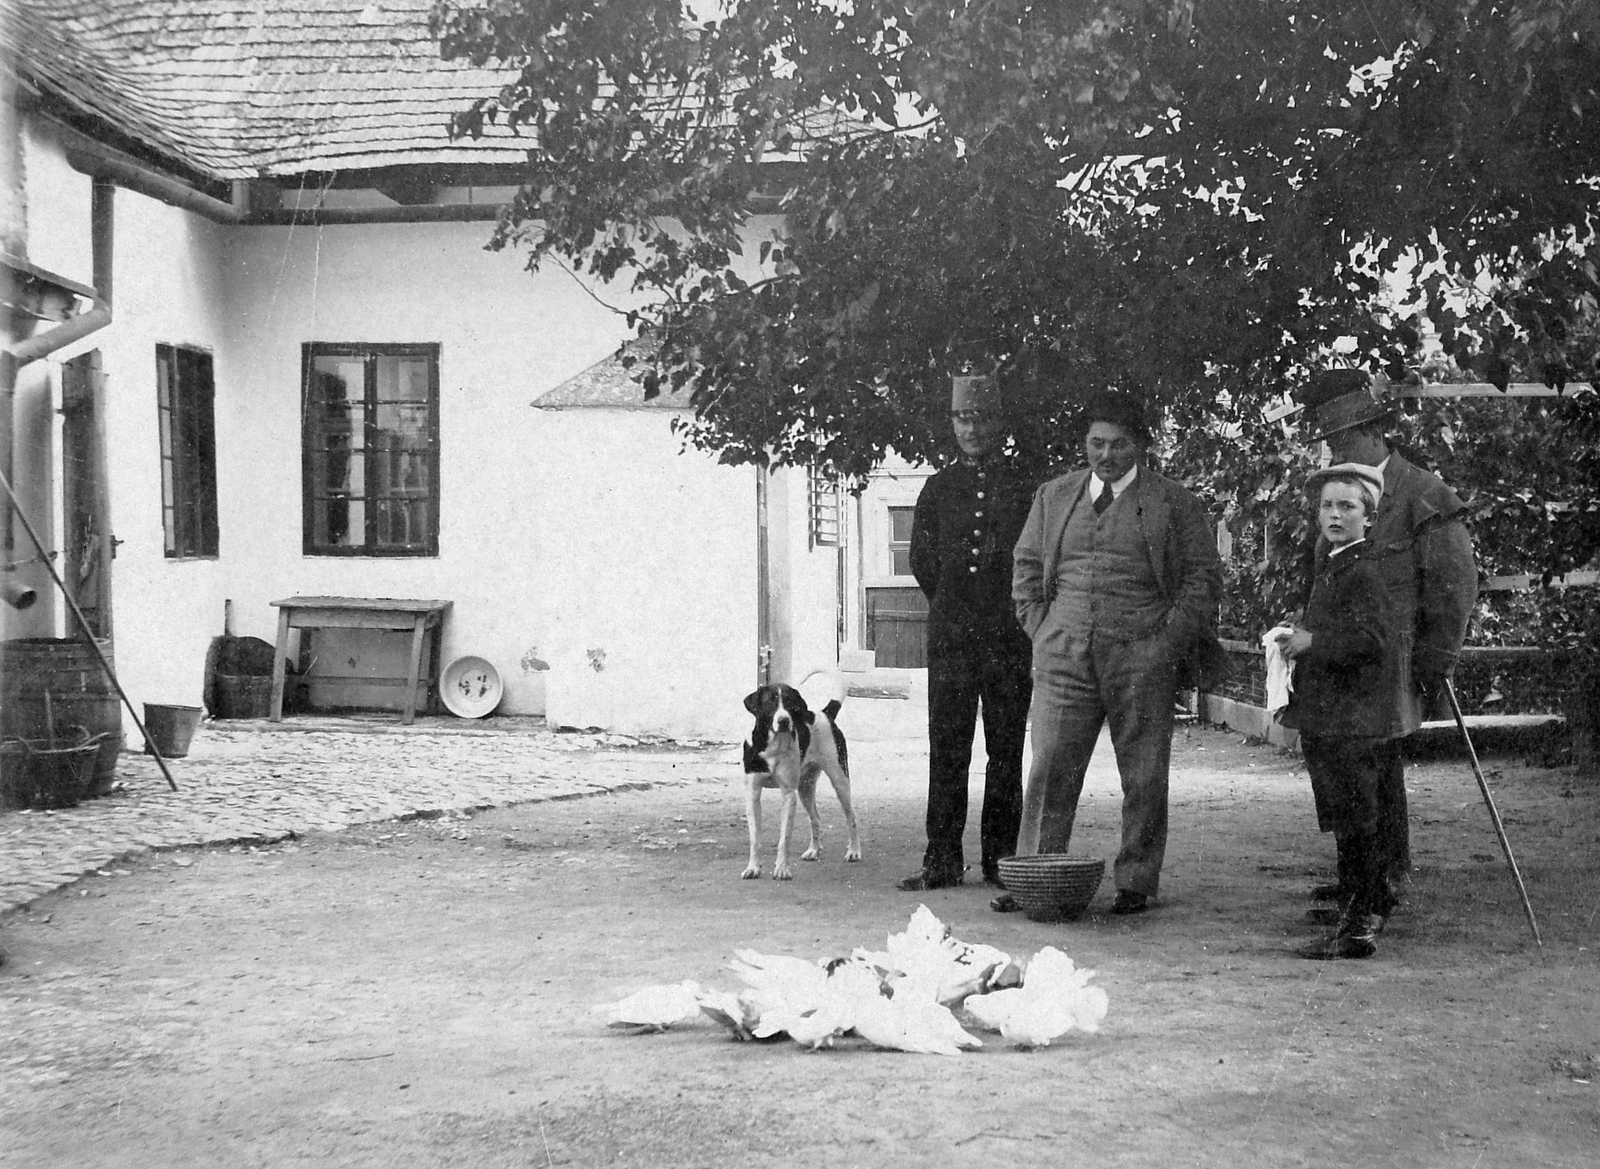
column 790, row 745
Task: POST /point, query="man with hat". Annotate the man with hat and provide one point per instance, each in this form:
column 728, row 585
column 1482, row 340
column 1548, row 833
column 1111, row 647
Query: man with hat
column 966, row 522
column 1116, row 580
column 1421, row 547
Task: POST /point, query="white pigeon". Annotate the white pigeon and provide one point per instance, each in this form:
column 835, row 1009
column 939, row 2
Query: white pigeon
column 816, row 1022
column 910, row 1018
column 925, row 950
column 1054, row 998
column 730, row 1010
column 655, row 1008
column 779, row 986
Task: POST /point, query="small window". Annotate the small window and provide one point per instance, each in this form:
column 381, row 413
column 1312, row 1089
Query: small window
column 900, row 540
column 370, row 450
column 185, row 411
column 823, row 502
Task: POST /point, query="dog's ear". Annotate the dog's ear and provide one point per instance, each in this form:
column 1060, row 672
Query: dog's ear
column 752, row 701
column 793, row 699
column 809, row 717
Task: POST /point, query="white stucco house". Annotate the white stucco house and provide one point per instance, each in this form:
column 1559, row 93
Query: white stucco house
column 287, row 366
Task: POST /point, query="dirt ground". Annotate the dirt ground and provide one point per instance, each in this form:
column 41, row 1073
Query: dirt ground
column 419, row 993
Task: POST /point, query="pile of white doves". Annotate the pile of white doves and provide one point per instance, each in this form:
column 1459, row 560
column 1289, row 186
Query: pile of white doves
column 899, row 998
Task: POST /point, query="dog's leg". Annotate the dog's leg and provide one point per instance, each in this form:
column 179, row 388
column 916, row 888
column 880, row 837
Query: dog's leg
column 840, row 778
column 780, row 866
column 808, row 800
column 752, row 819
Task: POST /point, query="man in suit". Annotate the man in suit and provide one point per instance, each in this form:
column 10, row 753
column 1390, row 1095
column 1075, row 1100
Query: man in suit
column 1420, row 544
column 1116, row 580
column 966, row 522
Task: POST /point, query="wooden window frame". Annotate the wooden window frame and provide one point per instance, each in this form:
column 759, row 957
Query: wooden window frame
column 186, row 426
column 368, row 352
column 894, row 545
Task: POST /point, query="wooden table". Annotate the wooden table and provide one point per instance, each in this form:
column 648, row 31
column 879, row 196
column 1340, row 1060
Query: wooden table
column 424, row 620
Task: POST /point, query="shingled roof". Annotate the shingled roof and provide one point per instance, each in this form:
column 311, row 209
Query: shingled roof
column 608, row 384
column 262, row 88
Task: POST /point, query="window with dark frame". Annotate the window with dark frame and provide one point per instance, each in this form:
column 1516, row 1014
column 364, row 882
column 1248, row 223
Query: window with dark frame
column 900, row 519
column 370, row 449
column 185, row 407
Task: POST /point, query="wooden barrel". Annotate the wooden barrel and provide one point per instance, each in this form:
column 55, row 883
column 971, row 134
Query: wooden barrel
column 80, row 695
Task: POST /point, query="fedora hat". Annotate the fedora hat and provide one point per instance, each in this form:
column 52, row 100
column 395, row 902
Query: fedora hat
column 1337, row 399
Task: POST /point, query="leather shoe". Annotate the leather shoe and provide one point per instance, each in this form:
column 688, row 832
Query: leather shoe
column 922, row 881
column 1357, row 938
column 1005, row 903
column 1330, row 892
column 1127, row 901
column 1339, row 946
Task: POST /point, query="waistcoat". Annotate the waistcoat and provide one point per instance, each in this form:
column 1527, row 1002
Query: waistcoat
column 1104, row 582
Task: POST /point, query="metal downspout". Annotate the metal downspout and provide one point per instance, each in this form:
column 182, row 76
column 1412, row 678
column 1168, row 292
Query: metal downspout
column 763, row 584
column 21, row 353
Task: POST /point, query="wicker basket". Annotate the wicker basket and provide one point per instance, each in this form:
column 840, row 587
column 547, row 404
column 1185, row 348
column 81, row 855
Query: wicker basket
column 35, row 773
column 1052, row 886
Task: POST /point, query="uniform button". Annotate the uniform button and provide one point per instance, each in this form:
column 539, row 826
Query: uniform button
column 980, row 495
column 977, row 515
column 977, row 531
column 974, row 568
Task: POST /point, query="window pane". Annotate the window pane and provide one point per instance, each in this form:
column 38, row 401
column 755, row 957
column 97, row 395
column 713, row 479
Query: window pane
column 901, row 558
column 900, row 524
column 340, row 522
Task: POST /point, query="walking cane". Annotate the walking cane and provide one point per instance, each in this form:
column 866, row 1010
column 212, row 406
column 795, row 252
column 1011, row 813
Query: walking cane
column 1494, row 815
column 88, row 633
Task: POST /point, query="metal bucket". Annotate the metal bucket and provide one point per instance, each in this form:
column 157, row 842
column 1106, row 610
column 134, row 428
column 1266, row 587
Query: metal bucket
column 171, row 728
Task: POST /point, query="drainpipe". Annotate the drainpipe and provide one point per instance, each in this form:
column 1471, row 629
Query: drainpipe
column 763, row 585
column 20, row 353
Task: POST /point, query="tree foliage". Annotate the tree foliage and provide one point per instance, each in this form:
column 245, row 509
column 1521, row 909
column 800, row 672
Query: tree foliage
column 1197, row 198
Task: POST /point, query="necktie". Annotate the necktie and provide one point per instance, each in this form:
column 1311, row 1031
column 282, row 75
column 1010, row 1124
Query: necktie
column 1103, row 500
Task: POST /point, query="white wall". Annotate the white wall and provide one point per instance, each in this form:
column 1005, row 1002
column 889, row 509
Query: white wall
column 166, row 288
column 648, row 576
column 561, row 532
column 505, row 337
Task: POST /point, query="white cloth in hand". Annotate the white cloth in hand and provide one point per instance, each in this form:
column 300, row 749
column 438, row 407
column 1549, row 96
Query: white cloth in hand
column 1280, row 670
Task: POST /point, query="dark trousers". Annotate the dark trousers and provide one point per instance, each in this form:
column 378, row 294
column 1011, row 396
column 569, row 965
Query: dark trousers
column 1348, row 775
column 961, row 677
column 1394, row 818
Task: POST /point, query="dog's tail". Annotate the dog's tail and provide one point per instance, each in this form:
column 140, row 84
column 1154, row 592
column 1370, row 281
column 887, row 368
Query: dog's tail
column 824, row 689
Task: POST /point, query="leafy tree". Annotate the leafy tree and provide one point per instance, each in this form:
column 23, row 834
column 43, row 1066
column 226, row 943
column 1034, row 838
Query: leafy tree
column 1197, row 198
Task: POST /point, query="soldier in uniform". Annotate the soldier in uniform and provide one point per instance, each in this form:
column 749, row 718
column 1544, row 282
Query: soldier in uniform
column 1421, row 547
column 966, row 522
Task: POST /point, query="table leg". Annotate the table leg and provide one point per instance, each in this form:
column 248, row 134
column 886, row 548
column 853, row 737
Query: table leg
column 418, row 634
column 278, row 662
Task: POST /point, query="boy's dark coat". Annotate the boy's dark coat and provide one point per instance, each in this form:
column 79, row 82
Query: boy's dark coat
column 1343, row 684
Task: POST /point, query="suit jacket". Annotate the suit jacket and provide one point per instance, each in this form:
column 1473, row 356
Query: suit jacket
column 1179, row 540
column 1343, row 683
column 1421, row 548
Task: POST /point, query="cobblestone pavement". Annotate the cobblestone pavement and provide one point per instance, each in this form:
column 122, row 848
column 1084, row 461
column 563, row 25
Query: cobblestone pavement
column 257, row 782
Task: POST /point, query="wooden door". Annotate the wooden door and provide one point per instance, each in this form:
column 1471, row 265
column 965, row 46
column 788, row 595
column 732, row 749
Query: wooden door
column 86, row 492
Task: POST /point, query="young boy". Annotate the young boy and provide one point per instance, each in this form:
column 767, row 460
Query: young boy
column 1345, row 654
